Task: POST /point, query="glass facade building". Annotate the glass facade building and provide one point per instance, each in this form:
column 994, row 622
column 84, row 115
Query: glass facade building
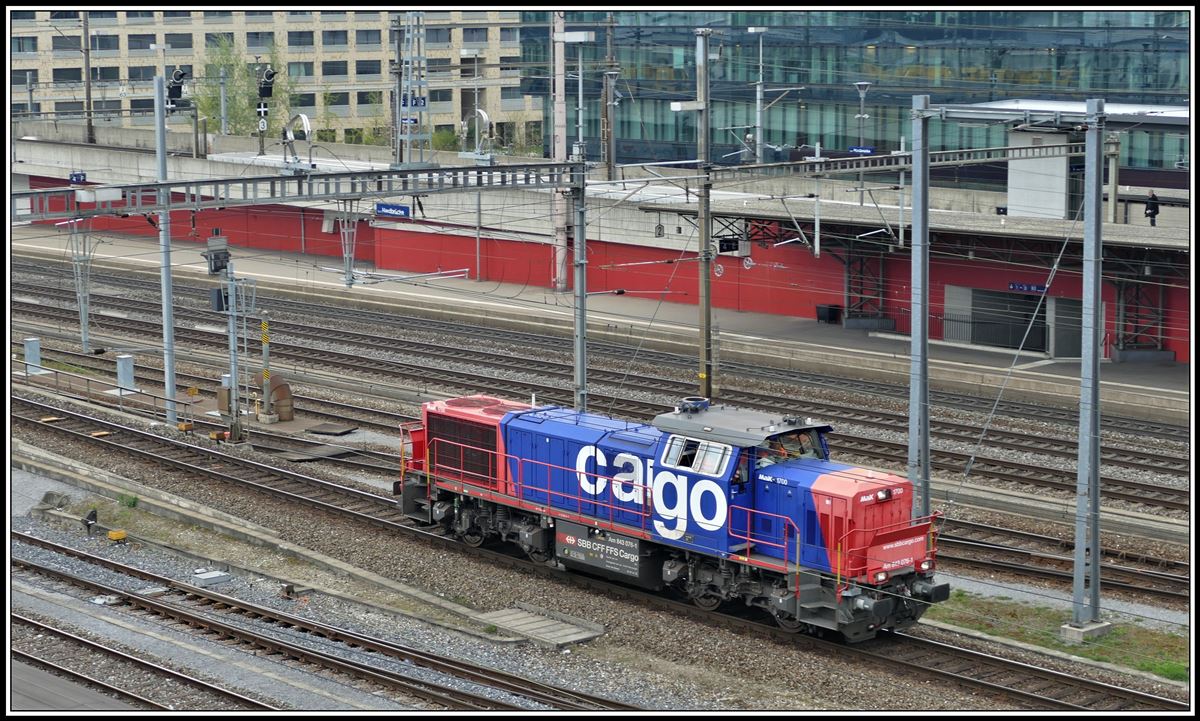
column 1140, row 57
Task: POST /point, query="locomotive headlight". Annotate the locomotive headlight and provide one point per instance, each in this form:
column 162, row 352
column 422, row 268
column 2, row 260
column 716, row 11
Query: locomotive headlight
column 926, row 565
column 880, row 576
column 883, row 494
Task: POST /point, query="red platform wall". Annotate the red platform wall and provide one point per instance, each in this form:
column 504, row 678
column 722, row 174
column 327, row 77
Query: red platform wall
column 786, row 279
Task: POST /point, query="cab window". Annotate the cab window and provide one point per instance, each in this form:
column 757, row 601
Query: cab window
column 689, row 454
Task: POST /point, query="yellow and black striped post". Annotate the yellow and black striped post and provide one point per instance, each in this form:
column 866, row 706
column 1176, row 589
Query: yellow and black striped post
column 266, row 365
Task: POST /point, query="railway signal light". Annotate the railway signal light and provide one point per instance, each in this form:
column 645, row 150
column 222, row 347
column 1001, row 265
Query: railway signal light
column 267, row 83
column 175, row 85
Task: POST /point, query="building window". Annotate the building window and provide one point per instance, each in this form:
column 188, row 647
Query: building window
column 176, row 14
column 68, row 75
column 304, row 100
column 109, row 107
column 510, row 35
column 300, row 70
column 106, row 42
column 139, row 15
column 438, row 65
column 101, row 15
column 263, row 39
column 141, row 104
column 66, row 42
column 354, row 136
column 19, row 77
column 475, row 35
column 337, row 98
column 23, row 15
column 367, row 37
column 259, row 13
column 69, row 107
column 300, row 13
column 335, row 67
column 335, row 37
column 441, row 96
column 326, row 136
column 64, row 15
column 25, row 44
column 369, row 97
column 367, row 67
column 179, row 41
column 23, row 108
column 437, row 36
column 140, row 42
column 333, row 15
column 214, row 40
column 109, row 72
column 141, row 72
column 513, row 93
column 300, row 38
column 217, row 14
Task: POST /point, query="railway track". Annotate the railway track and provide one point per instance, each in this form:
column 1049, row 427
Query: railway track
column 422, row 375
column 1067, row 416
column 231, row 618
column 73, row 651
column 1018, row 681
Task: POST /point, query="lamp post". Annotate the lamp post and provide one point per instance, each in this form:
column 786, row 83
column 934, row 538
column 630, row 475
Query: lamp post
column 862, row 86
column 758, row 96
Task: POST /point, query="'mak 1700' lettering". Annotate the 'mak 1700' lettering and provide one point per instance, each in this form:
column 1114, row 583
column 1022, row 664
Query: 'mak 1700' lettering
column 629, row 486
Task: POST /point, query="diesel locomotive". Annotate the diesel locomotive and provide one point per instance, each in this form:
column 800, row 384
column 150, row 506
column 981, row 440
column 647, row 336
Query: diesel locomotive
column 721, row 504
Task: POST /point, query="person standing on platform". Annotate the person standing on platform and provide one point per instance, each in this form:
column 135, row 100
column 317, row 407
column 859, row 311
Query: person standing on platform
column 1152, row 208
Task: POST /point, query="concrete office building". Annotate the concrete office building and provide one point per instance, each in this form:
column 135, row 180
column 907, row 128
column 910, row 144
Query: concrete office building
column 337, row 64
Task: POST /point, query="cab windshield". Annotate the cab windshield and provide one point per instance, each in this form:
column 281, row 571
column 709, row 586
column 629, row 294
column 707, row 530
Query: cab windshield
column 786, row 446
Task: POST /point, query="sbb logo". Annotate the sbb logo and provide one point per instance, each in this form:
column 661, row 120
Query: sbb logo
column 628, row 485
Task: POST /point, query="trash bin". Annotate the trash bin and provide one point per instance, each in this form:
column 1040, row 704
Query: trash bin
column 831, row 314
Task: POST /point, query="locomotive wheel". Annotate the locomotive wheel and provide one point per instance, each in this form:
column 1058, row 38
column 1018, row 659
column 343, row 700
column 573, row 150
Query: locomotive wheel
column 473, row 538
column 708, row 601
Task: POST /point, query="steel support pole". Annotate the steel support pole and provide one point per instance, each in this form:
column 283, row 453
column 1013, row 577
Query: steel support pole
column 559, row 139
column 610, row 81
column 81, row 256
column 224, row 112
column 579, row 96
column 918, row 384
column 235, row 422
column 90, row 138
column 164, row 244
column 579, row 193
column 478, row 223
column 29, row 92
column 703, row 217
column 1087, row 487
column 758, row 106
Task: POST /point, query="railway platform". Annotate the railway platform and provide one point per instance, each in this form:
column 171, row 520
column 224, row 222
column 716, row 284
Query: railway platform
column 1153, row 391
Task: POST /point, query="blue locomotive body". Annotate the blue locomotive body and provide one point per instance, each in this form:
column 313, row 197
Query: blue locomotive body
column 718, row 503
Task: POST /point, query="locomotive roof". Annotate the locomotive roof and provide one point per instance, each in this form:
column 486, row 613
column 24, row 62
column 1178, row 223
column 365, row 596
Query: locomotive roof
column 725, row 424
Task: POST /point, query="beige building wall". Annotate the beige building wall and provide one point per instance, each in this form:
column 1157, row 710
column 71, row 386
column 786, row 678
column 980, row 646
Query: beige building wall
column 471, row 53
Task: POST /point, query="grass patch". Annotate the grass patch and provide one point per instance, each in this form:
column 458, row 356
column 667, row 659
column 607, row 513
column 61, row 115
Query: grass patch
column 127, row 500
column 1127, row 644
column 69, row 368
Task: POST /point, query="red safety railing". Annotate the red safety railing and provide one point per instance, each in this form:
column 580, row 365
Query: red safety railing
column 862, row 561
column 789, row 530
column 515, row 488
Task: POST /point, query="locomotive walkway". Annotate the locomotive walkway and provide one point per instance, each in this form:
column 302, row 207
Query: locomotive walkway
column 1154, row 391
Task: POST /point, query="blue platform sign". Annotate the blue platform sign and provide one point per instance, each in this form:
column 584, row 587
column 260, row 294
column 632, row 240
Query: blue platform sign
column 1027, row 287
column 412, row 101
column 392, row 211
column 861, row 150
column 77, row 177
